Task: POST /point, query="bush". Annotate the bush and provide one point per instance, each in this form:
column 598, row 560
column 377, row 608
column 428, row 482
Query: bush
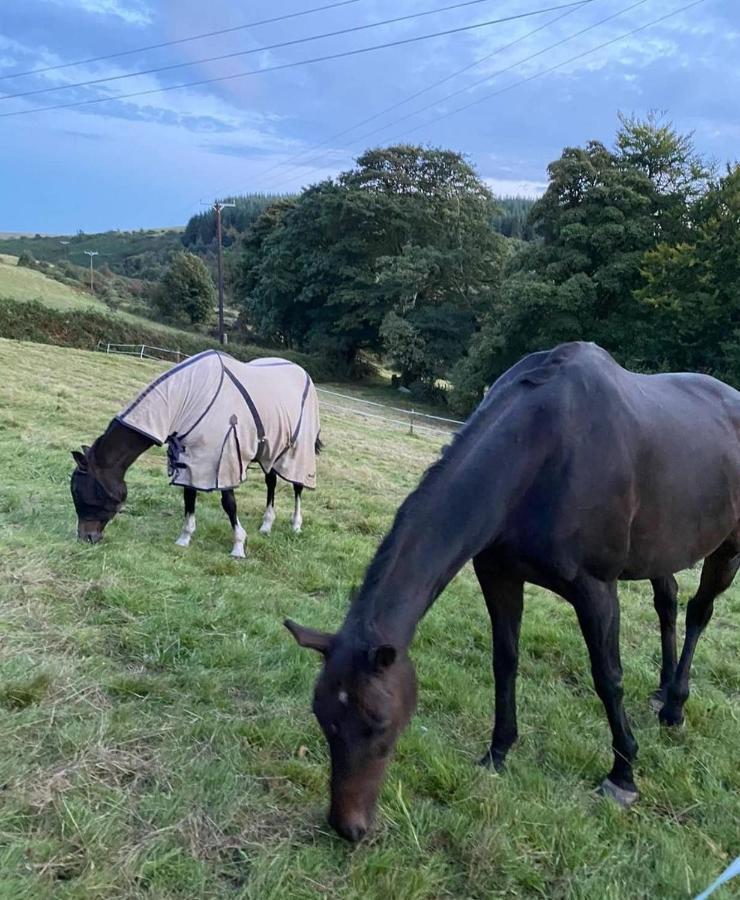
column 84, row 329
column 186, row 291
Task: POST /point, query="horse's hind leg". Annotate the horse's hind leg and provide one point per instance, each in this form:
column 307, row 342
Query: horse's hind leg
column 269, row 516
column 228, row 502
column 188, row 525
column 504, row 598
column 665, row 592
column 297, row 520
column 717, row 575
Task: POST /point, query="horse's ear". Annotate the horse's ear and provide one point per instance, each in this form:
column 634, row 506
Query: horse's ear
column 382, row 657
column 80, row 459
column 85, row 449
column 309, row 637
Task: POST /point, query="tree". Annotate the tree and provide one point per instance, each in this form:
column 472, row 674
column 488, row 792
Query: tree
column 603, row 210
column 691, row 294
column 406, row 232
column 186, row 290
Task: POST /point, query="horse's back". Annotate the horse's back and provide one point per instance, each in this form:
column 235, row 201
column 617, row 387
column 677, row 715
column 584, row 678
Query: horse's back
column 631, row 475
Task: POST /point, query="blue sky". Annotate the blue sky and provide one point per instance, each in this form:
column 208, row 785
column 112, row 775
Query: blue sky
column 151, row 160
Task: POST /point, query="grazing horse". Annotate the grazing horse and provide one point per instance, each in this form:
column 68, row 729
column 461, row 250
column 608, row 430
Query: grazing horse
column 572, row 474
column 216, row 415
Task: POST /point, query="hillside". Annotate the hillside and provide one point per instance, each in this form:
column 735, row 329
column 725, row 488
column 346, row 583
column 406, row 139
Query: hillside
column 23, row 284
column 157, row 733
column 136, row 254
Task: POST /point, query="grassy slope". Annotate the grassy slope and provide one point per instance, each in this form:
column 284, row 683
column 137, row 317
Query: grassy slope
column 157, row 733
column 25, row 284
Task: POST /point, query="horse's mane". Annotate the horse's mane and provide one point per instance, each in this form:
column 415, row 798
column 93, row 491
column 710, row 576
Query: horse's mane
column 529, row 373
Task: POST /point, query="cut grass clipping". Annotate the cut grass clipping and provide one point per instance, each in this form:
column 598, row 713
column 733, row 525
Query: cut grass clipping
column 157, row 733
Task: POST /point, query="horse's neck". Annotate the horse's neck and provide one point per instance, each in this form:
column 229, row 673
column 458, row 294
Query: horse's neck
column 455, row 513
column 117, row 448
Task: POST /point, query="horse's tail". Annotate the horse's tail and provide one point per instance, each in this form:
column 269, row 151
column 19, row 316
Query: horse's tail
column 318, row 445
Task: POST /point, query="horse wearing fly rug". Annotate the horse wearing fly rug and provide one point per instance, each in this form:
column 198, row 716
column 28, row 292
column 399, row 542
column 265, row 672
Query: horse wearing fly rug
column 216, row 415
column 572, row 474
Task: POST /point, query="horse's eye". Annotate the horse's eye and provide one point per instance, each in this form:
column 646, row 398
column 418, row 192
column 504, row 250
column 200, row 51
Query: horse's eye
column 333, row 728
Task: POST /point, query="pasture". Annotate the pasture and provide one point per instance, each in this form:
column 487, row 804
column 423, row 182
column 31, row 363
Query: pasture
column 158, row 740
column 24, row 284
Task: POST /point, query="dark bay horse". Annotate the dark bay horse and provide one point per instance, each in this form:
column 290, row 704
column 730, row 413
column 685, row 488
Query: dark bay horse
column 572, row 474
column 217, row 415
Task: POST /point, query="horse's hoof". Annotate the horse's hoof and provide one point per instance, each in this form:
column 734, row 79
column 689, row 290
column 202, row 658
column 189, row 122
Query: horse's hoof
column 657, row 700
column 625, row 797
column 492, row 761
column 238, row 553
column 183, row 542
column 671, row 718
column 266, row 529
column 296, row 529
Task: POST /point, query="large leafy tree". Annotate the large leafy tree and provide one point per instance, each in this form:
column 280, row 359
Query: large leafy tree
column 691, row 294
column 603, row 210
column 186, row 290
column 400, row 245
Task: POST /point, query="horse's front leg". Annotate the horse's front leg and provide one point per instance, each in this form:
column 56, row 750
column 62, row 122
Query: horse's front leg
column 188, row 525
column 297, row 520
column 597, row 607
column 504, row 598
column 269, row 516
column 228, row 501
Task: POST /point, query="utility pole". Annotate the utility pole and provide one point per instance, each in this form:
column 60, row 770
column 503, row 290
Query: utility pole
column 65, row 244
column 91, row 253
column 218, row 207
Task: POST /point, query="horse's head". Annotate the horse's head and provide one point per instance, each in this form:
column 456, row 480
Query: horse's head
column 364, row 698
column 96, row 500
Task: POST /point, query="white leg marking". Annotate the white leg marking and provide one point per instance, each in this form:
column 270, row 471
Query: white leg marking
column 240, row 536
column 188, row 530
column 267, row 520
column 297, row 520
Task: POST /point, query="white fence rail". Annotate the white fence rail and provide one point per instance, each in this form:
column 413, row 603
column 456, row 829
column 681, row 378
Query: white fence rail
column 412, row 419
column 143, row 351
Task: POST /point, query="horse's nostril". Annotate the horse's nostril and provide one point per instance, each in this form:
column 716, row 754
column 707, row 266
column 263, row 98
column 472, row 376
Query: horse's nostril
column 357, row 833
column 352, row 832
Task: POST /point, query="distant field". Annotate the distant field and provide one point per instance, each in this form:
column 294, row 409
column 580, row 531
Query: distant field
column 24, row 284
column 131, row 253
column 157, row 738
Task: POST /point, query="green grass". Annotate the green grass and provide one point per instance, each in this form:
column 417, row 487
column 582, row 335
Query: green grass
column 157, row 739
column 24, row 284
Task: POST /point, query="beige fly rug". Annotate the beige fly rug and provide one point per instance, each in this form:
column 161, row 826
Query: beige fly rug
column 217, row 415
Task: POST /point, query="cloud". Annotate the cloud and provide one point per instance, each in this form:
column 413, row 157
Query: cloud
column 133, row 12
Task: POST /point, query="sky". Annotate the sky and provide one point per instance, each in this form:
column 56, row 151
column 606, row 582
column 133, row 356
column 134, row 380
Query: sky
column 156, row 159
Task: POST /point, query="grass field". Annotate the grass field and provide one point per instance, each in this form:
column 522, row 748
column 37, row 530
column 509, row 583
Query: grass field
column 24, row 284
column 157, row 738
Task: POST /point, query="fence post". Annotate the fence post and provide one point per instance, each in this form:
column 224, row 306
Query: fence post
column 141, row 355
column 411, row 422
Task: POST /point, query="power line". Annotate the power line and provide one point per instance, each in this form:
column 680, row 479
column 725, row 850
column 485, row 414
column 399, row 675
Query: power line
column 488, row 78
column 560, row 65
column 280, row 45
column 419, row 93
column 194, row 37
